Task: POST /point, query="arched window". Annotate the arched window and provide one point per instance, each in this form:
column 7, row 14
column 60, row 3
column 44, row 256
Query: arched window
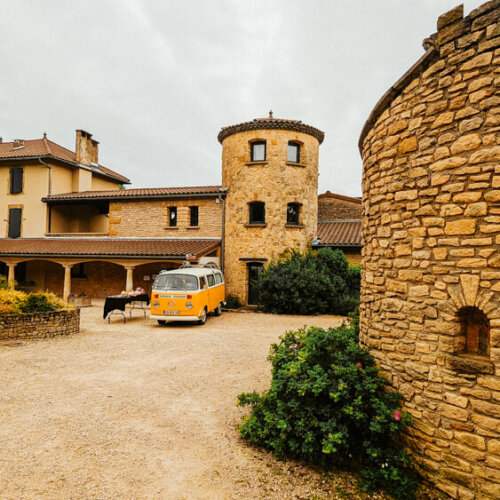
column 293, row 152
column 475, row 331
column 257, row 213
column 292, row 213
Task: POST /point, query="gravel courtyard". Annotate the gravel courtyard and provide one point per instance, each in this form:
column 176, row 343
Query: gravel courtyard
column 143, row 411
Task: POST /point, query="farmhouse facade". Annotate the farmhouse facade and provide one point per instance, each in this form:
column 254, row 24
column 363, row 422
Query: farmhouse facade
column 70, row 226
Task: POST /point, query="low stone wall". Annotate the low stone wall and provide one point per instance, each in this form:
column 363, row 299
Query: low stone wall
column 40, row 325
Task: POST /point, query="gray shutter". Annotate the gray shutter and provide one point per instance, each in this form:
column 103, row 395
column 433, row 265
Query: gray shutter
column 16, row 180
column 15, row 222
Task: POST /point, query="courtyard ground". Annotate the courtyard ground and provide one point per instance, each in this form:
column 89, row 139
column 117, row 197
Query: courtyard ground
column 143, row 411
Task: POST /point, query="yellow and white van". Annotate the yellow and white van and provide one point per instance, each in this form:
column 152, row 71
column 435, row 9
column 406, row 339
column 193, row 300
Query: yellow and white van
column 187, row 294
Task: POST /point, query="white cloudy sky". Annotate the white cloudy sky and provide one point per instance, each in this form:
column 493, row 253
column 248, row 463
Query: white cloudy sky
column 155, row 80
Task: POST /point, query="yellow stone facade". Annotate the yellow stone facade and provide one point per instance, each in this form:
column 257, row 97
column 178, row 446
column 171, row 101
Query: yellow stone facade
column 275, row 182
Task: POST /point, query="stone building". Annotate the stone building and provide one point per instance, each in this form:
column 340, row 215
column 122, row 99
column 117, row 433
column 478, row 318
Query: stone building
column 81, row 233
column 431, row 230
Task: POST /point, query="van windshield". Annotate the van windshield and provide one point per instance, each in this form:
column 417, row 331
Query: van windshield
column 175, row 282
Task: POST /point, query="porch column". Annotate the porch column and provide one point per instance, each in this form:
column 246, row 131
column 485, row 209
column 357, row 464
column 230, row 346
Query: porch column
column 130, row 278
column 67, row 281
column 12, row 276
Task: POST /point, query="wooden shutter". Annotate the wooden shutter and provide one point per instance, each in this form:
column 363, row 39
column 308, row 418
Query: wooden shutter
column 15, row 215
column 16, row 180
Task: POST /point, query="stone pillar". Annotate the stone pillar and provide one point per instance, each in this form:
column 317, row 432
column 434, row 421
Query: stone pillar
column 130, row 278
column 67, row 281
column 12, row 276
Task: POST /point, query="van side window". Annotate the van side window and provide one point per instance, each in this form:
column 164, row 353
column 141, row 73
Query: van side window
column 203, row 282
column 218, row 278
column 211, row 281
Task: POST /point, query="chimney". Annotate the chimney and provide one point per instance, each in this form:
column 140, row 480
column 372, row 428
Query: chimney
column 18, row 144
column 86, row 148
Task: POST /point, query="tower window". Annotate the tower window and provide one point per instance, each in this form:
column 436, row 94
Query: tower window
column 193, row 214
column 258, row 151
column 294, row 152
column 292, row 213
column 257, row 211
column 475, row 331
column 16, row 180
column 172, row 216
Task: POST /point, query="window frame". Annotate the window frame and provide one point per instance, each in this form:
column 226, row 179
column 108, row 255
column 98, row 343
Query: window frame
column 12, row 186
column 192, row 211
column 256, row 143
column 297, row 206
column 253, row 204
column 172, row 221
column 298, row 145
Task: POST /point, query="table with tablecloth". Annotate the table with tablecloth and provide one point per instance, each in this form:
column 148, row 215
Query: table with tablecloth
column 119, row 303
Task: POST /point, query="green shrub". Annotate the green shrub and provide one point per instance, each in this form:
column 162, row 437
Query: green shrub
column 37, row 302
column 232, row 302
column 314, row 282
column 328, row 405
column 4, row 284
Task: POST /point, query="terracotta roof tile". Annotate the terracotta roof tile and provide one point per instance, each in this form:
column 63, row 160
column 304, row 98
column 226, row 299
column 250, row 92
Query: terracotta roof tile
column 328, row 194
column 34, row 148
column 137, row 193
column 271, row 123
column 339, row 233
column 84, row 247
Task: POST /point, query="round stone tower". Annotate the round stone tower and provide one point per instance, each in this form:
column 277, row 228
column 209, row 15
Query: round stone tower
column 270, row 171
column 430, row 305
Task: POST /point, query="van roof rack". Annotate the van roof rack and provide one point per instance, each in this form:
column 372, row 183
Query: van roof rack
column 208, row 265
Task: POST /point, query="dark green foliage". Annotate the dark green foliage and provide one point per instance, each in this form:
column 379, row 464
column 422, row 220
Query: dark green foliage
column 232, row 302
column 328, row 405
column 314, row 282
column 37, row 302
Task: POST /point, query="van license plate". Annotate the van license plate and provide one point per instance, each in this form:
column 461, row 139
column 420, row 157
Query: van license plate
column 172, row 313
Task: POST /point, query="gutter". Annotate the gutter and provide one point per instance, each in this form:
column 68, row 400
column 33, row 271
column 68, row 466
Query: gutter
column 134, row 197
column 223, row 235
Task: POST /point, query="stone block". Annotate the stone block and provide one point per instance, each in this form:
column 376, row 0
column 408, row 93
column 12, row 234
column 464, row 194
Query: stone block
column 462, row 226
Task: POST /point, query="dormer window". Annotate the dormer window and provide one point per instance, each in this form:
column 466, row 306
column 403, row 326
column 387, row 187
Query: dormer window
column 293, row 152
column 258, row 151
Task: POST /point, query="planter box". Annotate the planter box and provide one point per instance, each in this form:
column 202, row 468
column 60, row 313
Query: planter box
column 80, row 301
column 40, row 325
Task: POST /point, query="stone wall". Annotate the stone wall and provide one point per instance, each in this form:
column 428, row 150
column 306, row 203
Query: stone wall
column 431, row 256
column 40, row 325
column 337, row 207
column 149, row 218
column 274, row 182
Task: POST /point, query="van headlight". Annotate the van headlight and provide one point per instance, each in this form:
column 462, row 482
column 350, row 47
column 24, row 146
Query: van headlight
column 156, row 304
column 189, row 305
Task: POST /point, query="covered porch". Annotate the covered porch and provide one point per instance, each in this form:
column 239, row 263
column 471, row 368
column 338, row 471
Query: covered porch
column 98, row 267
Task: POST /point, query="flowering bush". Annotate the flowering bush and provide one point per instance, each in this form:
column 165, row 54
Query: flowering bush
column 328, row 405
column 17, row 302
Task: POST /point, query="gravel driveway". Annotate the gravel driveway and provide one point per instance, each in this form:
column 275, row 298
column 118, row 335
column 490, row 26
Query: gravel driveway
column 143, row 411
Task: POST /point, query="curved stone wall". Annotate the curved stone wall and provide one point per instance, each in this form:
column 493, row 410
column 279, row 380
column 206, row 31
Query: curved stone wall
column 430, row 309
column 276, row 182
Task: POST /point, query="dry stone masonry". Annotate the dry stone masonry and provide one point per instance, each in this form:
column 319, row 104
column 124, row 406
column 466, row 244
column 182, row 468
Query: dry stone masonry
column 431, row 283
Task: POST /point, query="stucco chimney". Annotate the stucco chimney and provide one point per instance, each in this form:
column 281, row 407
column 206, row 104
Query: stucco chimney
column 18, row 143
column 86, row 148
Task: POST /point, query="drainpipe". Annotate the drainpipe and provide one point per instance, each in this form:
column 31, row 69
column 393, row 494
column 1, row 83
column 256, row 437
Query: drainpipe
column 222, row 247
column 50, row 174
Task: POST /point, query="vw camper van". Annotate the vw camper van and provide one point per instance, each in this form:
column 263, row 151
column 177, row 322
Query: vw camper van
column 187, row 294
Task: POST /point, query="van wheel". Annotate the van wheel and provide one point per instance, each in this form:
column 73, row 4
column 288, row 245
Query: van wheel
column 203, row 317
column 218, row 309
column 162, row 322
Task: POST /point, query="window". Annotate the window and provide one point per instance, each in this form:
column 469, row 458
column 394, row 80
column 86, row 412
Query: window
column 258, row 151
column 172, row 216
column 185, row 282
column 218, row 278
column 294, row 152
column 475, row 331
column 16, row 180
column 78, row 271
column 257, row 213
column 292, row 213
column 203, row 283
column 193, row 212
column 15, row 216
column 211, row 280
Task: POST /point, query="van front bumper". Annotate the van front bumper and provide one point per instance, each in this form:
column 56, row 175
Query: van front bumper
column 173, row 317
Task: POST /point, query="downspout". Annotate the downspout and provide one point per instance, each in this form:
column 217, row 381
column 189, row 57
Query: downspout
column 49, row 222
column 222, row 247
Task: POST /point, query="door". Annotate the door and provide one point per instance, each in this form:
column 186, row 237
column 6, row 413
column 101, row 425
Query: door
column 254, row 269
column 15, row 222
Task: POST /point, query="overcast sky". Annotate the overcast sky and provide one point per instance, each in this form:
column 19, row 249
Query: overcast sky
column 155, row 80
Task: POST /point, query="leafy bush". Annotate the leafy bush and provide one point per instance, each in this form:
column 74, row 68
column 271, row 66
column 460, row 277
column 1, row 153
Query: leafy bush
column 314, row 282
column 37, row 302
column 12, row 301
column 232, row 302
column 4, row 284
column 18, row 302
column 328, row 405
